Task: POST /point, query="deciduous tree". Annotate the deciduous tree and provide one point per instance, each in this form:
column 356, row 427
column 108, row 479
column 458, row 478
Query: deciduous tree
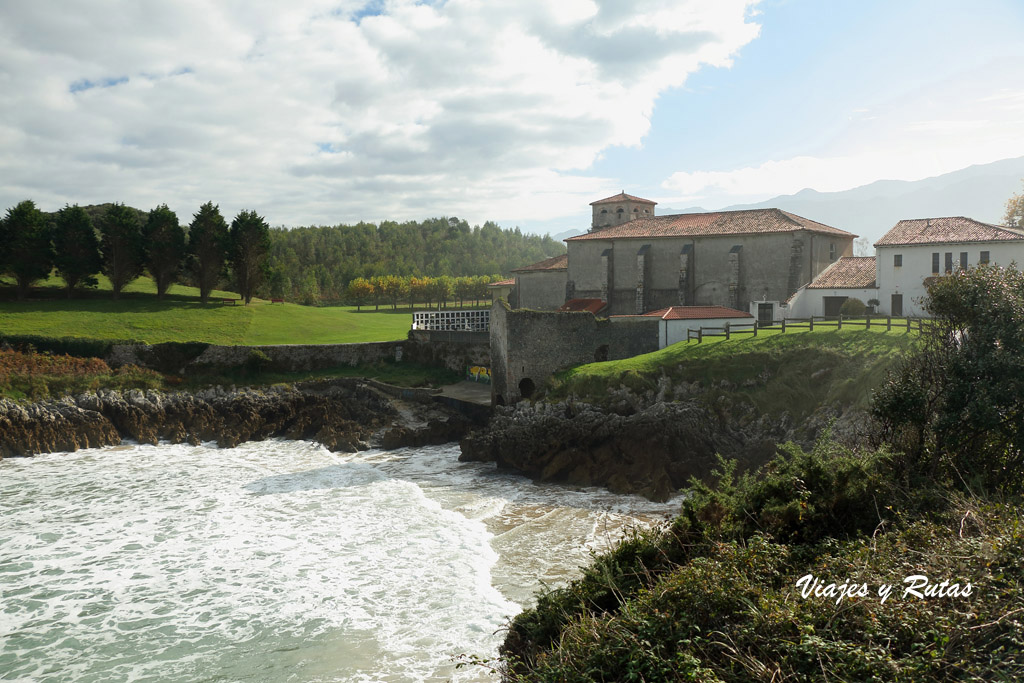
column 76, row 249
column 1014, row 216
column 165, row 247
column 122, row 247
column 25, row 245
column 207, row 248
column 250, row 246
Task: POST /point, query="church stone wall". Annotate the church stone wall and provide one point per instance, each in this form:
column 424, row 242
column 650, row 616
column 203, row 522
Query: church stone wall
column 542, row 290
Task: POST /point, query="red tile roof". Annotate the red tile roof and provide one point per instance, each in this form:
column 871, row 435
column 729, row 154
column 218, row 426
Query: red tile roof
column 946, row 230
column 560, row 262
column 856, row 272
column 696, row 313
column 511, row 282
column 748, row 221
column 595, row 306
column 623, row 197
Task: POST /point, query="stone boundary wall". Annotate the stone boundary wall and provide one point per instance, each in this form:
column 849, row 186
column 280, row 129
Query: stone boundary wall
column 529, row 346
column 176, row 358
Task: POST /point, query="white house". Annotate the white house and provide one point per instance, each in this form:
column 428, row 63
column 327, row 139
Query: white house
column 849, row 277
column 676, row 320
column 918, row 249
column 906, row 258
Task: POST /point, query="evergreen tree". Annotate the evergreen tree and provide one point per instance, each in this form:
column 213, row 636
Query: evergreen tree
column 207, row 248
column 165, row 248
column 250, row 247
column 26, row 251
column 122, row 247
column 76, row 249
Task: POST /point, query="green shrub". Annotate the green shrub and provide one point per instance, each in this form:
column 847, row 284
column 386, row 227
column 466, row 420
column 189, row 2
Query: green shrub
column 853, row 307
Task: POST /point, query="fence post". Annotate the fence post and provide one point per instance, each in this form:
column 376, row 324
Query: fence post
column 783, row 324
column 727, row 331
column 811, row 328
column 840, row 325
column 867, row 322
column 908, row 325
column 888, row 323
column 755, row 328
column 700, row 334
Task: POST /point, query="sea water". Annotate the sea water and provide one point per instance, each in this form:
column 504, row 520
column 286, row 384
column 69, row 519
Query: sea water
column 279, row 561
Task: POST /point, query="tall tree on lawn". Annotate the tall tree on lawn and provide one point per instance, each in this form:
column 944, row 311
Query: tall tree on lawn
column 207, row 248
column 250, row 247
column 165, row 248
column 121, row 243
column 76, row 250
column 25, row 252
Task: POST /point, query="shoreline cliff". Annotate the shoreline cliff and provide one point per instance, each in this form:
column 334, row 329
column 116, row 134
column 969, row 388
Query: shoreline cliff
column 344, row 415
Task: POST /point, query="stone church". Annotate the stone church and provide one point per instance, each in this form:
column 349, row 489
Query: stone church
column 635, row 262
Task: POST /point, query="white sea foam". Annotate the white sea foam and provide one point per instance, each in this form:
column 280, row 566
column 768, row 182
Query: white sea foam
column 277, row 561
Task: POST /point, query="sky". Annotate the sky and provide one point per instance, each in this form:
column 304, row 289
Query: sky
column 517, row 111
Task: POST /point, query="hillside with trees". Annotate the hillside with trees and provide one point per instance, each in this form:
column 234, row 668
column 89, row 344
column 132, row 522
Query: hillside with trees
column 435, row 260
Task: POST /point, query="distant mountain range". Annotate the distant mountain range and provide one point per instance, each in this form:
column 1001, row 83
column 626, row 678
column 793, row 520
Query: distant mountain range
column 979, row 192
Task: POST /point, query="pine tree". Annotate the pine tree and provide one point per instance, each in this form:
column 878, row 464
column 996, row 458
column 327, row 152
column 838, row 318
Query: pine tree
column 122, row 247
column 207, row 248
column 165, row 248
column 76, row 250
column 250, row 247
column 26, row 249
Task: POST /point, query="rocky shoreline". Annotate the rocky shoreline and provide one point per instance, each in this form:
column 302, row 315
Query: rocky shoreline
column 649, row 448
column 344, row 415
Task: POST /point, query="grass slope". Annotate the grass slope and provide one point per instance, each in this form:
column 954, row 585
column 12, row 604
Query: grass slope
column 793, row 372
column 181, row 317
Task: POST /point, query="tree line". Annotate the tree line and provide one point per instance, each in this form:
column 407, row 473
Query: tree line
column 317, row 264
column 358, row 264
column 122, row 243
column 413, row 290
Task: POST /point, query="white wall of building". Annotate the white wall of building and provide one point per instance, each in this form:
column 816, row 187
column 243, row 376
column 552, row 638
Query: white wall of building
column 907, row 280
column 674, row 331
column 809, row 302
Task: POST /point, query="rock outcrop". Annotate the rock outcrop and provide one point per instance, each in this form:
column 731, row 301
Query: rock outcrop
column 343, row 415
column 651, row 450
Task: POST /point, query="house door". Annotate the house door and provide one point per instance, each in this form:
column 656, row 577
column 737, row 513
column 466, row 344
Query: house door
column 832, row 305
column 896, row 309
column 765, row 314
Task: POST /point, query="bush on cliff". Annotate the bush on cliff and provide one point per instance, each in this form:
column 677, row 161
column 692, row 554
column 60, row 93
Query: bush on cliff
column 714, row 596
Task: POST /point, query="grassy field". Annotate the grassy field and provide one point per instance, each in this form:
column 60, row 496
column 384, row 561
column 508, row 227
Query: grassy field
column 181, row 317
column 795, row 371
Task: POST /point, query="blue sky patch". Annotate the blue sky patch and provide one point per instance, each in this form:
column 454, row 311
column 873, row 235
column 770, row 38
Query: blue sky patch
column 86, row 84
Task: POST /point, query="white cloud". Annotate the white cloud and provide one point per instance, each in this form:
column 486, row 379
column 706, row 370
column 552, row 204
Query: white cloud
column 474, row 108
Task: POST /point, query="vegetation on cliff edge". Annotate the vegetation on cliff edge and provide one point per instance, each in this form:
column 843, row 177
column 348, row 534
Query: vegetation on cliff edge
column 717, row 594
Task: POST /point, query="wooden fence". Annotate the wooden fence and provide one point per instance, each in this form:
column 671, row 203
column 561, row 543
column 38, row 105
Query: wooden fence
column 838, row 322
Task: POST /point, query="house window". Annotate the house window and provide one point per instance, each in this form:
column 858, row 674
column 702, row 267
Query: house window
column 832, row 251
column 604, row 210
column 963, row 260
column 949, row 262
column 984, row 257
column 897, row 260
column 935, row 263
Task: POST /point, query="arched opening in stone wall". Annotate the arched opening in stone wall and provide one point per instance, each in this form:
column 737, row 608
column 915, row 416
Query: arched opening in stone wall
column 526, row 387
column 601, row 353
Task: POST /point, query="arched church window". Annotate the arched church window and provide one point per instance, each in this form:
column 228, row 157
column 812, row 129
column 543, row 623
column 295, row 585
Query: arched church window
column 620, row 210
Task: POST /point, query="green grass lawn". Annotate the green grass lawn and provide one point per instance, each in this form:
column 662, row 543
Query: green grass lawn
column 795, row 371
column 181, row 317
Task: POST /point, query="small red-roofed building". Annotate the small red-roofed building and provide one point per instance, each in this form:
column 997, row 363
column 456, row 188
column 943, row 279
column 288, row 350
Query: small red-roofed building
column 676, row 321
column 851, row 277
column 502, row 289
